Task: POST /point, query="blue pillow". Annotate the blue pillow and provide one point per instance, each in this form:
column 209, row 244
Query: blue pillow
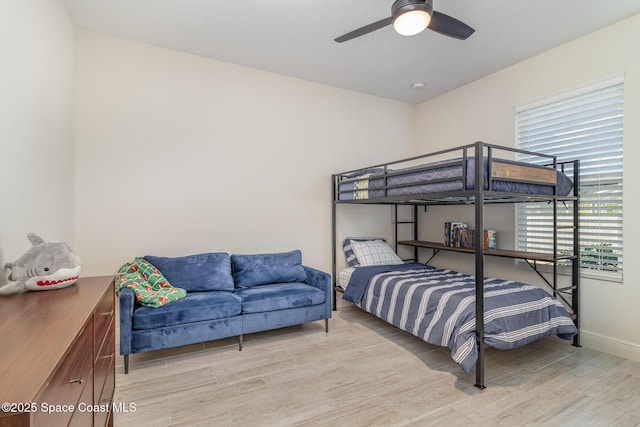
column 263, row 269
column 201, row 272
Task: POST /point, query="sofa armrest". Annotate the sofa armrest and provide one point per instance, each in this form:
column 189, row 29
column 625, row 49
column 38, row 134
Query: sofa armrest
column 127, row 300
column 321, row 280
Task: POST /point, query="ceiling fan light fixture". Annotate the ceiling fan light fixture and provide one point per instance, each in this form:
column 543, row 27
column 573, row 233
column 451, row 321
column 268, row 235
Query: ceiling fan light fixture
column 411, row 17
column 412, row 22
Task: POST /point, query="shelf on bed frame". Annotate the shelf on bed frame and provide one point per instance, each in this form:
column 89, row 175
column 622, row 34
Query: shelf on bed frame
column 505, row 253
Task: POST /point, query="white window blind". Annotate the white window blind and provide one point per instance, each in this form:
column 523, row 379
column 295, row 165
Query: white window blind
column 584, row 124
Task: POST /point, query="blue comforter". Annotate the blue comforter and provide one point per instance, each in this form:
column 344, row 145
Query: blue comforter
column 439, row 307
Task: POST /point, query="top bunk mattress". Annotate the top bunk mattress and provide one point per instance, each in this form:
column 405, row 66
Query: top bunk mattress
column 447, row 176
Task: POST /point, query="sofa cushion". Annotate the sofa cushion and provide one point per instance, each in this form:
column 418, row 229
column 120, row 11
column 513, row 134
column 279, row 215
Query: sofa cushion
column 201, row 272
column 264, row 269
column 280, row 296
column 195, row 307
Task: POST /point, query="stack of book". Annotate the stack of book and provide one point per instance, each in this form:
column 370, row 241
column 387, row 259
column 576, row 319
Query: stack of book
column 457, row 234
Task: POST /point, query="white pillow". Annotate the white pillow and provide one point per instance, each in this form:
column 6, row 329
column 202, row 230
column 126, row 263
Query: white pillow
column 374, row 252
column 352, row 261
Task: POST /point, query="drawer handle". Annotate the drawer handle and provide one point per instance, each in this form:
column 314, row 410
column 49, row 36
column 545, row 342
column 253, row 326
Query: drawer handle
column 108, row 356
column 107, row 313
column 77, row 380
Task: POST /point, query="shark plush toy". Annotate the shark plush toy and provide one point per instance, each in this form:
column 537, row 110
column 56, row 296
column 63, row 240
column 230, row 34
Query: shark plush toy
column 45, row 266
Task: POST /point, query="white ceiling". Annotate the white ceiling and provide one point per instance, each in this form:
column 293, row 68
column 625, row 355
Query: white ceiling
column 295, row 37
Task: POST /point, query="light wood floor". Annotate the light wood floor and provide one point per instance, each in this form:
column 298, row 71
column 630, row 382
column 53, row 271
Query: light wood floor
column 367, row 373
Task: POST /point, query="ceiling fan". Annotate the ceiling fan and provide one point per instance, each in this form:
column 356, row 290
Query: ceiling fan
column 410, row 17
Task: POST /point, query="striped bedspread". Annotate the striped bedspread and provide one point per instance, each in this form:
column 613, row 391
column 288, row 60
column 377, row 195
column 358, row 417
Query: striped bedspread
column 439, row 307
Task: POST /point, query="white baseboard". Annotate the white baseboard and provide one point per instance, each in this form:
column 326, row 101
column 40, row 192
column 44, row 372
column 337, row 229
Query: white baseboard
column 621, row 348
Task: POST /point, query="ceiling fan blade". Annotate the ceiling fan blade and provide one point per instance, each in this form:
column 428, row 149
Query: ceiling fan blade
column 365, row 30
column 448, row 26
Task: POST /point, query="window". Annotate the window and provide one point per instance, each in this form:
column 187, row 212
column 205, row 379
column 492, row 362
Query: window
column 584, row 124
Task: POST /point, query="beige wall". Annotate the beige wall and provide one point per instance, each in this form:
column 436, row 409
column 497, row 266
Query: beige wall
column 36, row 124
column 484, row 110
column 178, row 154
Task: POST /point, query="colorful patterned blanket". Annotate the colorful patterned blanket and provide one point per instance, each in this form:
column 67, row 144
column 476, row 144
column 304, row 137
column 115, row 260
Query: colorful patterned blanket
column 148, row 284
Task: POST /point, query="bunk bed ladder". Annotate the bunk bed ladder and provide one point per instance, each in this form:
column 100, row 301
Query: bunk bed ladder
column 414, row 230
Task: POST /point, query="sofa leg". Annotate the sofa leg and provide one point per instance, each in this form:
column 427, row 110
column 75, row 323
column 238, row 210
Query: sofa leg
column 240, row 342
column 326, row 325
column 126, row 363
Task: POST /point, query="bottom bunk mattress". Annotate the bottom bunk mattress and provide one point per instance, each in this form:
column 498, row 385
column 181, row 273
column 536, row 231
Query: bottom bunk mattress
column 438, row 306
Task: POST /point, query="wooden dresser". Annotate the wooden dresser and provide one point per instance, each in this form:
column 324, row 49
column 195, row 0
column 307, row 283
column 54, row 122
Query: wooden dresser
column 57, row 361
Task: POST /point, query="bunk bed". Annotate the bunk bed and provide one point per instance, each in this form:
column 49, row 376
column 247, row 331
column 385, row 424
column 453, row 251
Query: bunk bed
column 450, row 177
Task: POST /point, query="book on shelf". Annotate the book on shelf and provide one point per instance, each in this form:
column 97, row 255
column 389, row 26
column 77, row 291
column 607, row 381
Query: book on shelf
column 490, row 239
column 467, row 238
column 452, row 233
column 458, row 235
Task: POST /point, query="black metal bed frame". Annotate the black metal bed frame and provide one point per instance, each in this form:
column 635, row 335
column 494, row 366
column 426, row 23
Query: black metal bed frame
column 478, row 197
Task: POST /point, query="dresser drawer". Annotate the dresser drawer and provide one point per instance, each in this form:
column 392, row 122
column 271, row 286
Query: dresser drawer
column 83, row 417
column 68, row 381
column 105, row 418
column 103, row 317
column 106, row 357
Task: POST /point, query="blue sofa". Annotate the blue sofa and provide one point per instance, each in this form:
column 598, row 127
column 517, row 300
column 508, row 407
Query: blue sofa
column 227, row 296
